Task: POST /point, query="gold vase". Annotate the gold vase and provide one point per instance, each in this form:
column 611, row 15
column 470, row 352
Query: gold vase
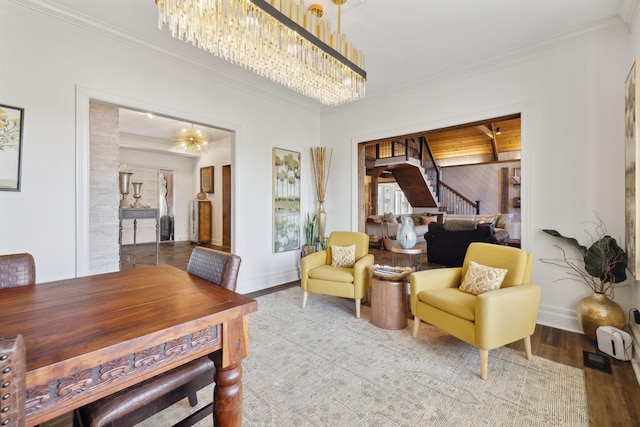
column 322, row 220
column 599, row 310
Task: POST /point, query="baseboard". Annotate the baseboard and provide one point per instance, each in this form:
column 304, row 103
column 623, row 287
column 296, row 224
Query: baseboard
column 558, row 317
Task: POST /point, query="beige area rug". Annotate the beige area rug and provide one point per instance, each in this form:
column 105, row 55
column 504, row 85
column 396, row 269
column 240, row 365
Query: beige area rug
column 320, row 366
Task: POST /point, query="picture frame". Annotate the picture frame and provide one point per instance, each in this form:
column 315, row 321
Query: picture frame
column 631, row 177
column 206, row 179
column 286, row 199
column 11, row 130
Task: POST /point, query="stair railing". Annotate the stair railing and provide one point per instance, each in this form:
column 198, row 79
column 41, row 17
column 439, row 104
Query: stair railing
column 456, row 203
column 409, row 148
column 429, row 165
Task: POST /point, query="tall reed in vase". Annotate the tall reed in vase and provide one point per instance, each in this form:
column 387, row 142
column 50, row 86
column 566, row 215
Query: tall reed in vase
column 321, row 168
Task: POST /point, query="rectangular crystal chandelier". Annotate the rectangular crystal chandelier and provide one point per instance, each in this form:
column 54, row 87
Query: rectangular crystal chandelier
column 277, row 39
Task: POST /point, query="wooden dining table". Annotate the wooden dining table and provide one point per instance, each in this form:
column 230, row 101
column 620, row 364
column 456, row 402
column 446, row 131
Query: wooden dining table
column 89, row 337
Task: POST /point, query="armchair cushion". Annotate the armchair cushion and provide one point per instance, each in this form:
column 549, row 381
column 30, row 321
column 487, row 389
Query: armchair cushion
column 452, row 301
column 481, row 278
column 332, row 274
column 343, row 256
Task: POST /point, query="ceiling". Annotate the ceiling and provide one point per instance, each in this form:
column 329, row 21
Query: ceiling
column 157, row 131
column 404, row 41
column 486, row 141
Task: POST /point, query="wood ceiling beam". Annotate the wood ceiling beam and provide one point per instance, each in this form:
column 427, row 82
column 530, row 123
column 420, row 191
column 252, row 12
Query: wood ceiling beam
column 485, row 130
column 494, row 145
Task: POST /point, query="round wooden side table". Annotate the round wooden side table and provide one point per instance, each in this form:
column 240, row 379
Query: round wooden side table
column 389, row 302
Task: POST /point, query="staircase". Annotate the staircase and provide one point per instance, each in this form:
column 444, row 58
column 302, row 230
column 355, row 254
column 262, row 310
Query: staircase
column 415, row 184
column 416, row 172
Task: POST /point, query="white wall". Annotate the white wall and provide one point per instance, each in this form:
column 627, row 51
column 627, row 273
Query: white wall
column 55, row 68
column 182, row 186
column 571, row 99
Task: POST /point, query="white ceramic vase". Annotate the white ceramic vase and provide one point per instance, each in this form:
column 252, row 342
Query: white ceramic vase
column 406, row 235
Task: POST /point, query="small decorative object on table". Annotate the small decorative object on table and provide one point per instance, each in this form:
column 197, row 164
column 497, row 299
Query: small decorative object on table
column 406, row 235
column 387, row 272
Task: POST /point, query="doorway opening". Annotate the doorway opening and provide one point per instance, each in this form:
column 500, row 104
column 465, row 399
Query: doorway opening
column 479, row 162
column 143, row 142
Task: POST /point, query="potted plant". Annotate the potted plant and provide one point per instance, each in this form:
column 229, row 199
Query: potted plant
column 310, row 230
column 602, row 267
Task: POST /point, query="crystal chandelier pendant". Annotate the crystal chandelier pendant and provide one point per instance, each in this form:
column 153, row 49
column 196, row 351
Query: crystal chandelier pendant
column 277, row 39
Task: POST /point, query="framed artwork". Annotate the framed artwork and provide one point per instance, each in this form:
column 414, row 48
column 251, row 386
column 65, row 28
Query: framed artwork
column 206, row 179
column 11, row 122
column 286, row 200
column 631, row 133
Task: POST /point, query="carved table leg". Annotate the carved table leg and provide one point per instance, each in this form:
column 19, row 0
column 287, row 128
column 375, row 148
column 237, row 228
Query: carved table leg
column 227, row 396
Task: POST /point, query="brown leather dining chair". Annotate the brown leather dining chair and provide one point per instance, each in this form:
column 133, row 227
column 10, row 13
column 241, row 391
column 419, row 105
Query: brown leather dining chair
column 17, row 270
column 139, row 402
column 13, row 365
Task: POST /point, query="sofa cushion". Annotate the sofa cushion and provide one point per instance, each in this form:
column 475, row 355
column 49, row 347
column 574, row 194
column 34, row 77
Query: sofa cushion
column 503, row 220
column 481, row 278
column 428, row 219
column 461, row 225
column 332, row 274
column 343, row 256
column 487, row 219
column 451, row 300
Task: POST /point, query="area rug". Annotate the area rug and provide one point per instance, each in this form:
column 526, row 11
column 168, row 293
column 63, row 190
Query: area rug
column 321, row 366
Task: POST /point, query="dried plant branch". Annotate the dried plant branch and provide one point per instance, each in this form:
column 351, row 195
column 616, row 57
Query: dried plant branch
column 321, row 169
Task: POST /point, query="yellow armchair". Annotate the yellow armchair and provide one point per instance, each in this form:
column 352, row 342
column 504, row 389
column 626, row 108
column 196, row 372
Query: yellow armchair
column 318, row 276
column 488, row 320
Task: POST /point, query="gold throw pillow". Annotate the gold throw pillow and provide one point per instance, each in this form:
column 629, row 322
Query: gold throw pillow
column 481, row 278
column 343, row 256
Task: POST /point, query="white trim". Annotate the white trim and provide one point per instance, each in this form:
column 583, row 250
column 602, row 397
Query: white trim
column 84, row 95
column 559, row 318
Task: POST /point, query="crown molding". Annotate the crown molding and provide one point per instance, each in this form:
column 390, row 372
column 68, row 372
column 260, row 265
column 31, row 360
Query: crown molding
column 629, row 12
column 201, row 62
column 608, row 28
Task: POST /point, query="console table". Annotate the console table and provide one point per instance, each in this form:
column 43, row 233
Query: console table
column 135, row 214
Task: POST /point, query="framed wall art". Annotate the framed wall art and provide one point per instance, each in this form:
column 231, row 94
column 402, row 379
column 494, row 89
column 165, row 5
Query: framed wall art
column 11, row 125
column 206, row 179
column 631, row 134
column 286, row 200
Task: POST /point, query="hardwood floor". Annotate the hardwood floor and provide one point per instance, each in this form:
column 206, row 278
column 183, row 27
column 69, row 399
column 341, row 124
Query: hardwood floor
column 614, row 399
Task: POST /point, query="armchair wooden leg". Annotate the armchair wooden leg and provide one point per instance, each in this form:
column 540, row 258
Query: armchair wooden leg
column 527, row 347
column 484, row 364
column 304, row 299
column 358, row 307
column 416, row 326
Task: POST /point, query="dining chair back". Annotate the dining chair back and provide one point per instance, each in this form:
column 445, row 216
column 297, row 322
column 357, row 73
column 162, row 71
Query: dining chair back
column 13, row 362
column 220, row 268
column 17, row 270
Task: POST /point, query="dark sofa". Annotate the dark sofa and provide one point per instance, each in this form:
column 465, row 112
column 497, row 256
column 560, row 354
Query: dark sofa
column 449, row 247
